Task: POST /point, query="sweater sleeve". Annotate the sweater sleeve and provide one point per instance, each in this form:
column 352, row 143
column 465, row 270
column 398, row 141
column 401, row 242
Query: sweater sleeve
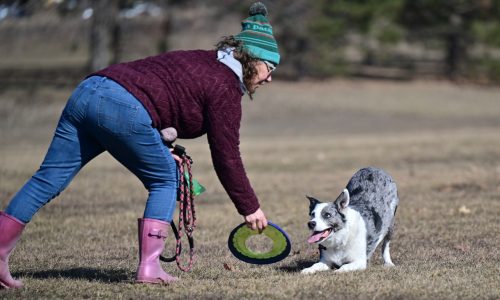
column 224, row 119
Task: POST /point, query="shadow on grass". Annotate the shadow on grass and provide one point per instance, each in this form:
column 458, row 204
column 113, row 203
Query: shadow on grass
column 90, row 274
column 297, row 266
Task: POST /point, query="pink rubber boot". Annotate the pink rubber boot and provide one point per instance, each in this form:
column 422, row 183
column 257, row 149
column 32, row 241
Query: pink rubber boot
column 152, row 236
column 10, row 232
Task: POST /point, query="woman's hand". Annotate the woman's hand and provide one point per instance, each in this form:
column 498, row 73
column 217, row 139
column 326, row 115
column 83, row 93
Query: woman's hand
column 176, row 157
column 257, row 220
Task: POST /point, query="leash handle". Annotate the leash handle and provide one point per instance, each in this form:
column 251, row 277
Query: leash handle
column 176, row 234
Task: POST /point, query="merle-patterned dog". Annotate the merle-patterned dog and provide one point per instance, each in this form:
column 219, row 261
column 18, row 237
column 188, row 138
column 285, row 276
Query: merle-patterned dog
column 349, row 229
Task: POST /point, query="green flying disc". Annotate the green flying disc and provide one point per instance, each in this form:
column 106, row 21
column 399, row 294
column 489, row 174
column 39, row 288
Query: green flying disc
column 237, row 244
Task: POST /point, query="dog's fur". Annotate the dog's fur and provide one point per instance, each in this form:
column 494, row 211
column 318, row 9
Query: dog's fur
column 349, row 229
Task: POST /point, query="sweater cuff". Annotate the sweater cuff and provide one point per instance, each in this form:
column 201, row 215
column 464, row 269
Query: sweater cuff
column 248, row 209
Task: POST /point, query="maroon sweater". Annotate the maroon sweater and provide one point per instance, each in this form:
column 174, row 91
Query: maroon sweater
column 196, row 94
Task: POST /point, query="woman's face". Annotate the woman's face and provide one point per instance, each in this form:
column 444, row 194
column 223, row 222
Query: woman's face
column 263, row 75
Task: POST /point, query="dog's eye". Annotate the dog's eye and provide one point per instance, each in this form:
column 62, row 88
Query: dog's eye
column 328, row 216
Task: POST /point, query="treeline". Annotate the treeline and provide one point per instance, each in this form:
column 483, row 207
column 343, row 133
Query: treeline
column 455, row 39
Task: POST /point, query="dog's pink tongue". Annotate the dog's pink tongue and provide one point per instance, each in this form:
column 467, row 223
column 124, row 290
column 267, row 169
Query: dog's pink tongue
column 316, row 237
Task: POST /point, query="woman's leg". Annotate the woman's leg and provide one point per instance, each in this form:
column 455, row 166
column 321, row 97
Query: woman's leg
column 71, row 148
column 124, row 128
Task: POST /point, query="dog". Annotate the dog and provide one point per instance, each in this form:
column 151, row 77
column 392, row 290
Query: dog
column 349, row 229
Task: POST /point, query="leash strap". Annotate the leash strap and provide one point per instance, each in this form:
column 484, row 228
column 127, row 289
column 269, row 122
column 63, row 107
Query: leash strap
column 187, row 216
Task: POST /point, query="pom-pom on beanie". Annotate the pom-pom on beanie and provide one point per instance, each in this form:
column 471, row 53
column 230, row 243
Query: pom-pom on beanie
column 257, row 35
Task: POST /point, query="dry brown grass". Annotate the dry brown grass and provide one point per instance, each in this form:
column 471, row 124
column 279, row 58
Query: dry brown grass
column 439, row 141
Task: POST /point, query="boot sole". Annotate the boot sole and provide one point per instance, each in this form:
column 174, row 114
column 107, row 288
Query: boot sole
column 156, row 281
column 4, row 286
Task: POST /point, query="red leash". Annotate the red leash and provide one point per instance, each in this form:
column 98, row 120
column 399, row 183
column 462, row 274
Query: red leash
column 187, row 217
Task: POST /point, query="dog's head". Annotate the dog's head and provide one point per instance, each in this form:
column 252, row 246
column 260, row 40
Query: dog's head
column 326, row 218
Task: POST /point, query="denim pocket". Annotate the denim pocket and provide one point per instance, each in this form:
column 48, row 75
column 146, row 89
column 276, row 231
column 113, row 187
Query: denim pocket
column 115, row 116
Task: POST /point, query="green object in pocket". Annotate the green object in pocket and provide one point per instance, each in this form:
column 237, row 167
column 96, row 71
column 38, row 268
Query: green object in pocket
column 197, row 187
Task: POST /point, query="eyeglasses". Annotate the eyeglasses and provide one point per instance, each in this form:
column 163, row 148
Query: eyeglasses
column 270, row 66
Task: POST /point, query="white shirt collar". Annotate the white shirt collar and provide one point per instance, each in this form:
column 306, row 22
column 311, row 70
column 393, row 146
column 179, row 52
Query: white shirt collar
column 226, row 57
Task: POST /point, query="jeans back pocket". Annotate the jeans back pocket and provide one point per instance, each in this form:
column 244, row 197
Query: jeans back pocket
column 115, row 116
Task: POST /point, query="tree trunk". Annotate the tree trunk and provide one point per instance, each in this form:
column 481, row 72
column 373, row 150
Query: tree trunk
column 104, row 34
column 455, row 47
column 454, row 55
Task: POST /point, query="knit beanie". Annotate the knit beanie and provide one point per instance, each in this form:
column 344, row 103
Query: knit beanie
column 257, row 35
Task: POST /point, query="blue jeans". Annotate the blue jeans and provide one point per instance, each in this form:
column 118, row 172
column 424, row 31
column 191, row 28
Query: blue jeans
column 102, row 116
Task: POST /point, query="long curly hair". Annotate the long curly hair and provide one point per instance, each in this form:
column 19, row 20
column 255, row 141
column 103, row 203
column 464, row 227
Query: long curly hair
column 247, row 61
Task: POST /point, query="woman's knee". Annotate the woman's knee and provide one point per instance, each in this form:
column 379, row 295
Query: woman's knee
column 166, row 184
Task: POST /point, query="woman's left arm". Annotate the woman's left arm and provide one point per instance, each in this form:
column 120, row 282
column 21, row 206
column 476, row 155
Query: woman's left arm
column 224, row 119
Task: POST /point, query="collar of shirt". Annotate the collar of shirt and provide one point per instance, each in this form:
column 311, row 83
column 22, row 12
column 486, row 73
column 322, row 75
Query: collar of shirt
column 226, row 57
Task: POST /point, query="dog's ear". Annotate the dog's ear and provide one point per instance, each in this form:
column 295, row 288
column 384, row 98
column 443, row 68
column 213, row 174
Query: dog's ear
column 312, row 203
column 343, row 199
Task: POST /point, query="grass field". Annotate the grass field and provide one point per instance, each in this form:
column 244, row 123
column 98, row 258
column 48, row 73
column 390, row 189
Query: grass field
column 440, row 142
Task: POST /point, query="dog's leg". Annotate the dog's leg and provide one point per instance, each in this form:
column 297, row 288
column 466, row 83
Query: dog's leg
column 386, row 254
column 317, row 267
column 353, row 266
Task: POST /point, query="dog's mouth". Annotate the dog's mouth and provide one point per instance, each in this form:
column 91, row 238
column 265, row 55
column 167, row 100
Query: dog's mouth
column 319, row 236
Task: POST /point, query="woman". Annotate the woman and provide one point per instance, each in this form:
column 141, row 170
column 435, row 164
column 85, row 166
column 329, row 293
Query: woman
column 123, row 108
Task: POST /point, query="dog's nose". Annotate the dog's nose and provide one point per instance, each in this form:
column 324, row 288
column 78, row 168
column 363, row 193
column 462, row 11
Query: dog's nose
column 311, row 224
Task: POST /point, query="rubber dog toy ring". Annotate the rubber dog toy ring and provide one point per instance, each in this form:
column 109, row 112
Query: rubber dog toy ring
column 237, row 244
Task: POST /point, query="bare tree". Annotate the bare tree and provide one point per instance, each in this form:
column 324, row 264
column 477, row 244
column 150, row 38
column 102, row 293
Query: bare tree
column 104, row 34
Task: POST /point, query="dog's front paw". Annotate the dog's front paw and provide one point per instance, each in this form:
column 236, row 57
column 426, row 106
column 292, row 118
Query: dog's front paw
column 315, row 268
column 309, row 270
column 354, row 266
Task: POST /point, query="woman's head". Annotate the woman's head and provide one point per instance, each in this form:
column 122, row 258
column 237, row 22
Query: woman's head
column 255, row 48
column 256, row 72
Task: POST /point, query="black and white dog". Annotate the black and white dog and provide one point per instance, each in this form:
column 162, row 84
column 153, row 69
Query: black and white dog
column 349, row 229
